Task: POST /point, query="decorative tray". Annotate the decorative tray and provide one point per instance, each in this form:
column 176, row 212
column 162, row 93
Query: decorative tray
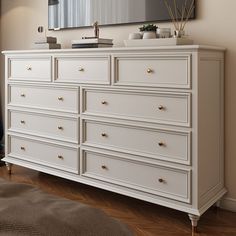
column 157, row 42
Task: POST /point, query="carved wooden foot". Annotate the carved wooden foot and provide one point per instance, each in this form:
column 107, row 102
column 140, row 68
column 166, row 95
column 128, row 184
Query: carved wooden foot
column 194, row 230
column 194, row 221
column 217, row 207
column 9, row 167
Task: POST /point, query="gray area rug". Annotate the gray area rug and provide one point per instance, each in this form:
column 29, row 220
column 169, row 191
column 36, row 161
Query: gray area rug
column 26, row 210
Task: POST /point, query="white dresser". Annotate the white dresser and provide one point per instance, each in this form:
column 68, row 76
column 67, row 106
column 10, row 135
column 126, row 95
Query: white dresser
column 143, row 122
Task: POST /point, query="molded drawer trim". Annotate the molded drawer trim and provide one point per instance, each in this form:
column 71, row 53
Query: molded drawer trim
column 63, row 99
column 30, row 68
column 100, row 170
column 44, row 125
column 119, row 104
column 161, row 150
column 153, row 79
column 19, row 146
column 86, row 69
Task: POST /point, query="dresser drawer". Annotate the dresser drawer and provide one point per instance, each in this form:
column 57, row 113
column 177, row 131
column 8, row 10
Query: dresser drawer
column 162, row 181
column 43, row 153
column 165, row 108
column 49, row 126
column 89, row 70
column 158, row 144
column 48, row 98
column 30, row 68
column 153, row 71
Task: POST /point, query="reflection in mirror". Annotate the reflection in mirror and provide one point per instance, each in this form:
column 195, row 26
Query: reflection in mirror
column 79, row 13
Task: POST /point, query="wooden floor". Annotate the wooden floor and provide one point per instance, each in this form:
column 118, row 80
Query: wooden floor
column 144, row 218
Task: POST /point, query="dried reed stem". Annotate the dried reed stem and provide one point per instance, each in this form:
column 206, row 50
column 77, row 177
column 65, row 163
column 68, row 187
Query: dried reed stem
column 184, row 9
column 188, row 14
column 171, row 14
column 176, row 14
column 179, row 17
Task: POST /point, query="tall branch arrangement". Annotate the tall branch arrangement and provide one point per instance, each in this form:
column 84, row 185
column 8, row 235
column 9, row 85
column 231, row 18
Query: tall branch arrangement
column 180, row 16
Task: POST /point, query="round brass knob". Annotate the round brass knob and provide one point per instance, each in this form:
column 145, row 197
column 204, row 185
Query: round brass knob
column 149, row 71
column 60, row 98
column 60, row 157
column 104, row 134
column 103, row 102
column 29, row 68
column 22, row 122
column 161, row 144
column 104, row 167
column 161, row 180
column 22, row 148
column 60, row 127
column 161, row 107
column 81, row 69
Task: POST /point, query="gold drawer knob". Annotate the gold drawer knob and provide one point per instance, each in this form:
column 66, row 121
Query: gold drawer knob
column 161, row 144
column 104, row 134
column 22, row 122
column 60, row 157
column 60, row 127
column 149, row 71
column 81, row 69
column 28, row 68
column 103, row 102
column 22, row 148
column 60, row 98
column 161, row 180
column 161, row 108
column 104, row 167
column 22, row 95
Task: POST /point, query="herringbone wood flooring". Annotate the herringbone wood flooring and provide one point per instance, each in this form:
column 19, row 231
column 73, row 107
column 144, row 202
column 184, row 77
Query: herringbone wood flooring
column 144, row 218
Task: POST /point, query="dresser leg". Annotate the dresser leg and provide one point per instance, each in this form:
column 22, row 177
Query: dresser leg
column 217, row 204
column 9, row 167
column 194, row 220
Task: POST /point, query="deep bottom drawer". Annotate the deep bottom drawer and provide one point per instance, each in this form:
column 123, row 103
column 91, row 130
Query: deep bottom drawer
column 52, row 155
column 159, row 180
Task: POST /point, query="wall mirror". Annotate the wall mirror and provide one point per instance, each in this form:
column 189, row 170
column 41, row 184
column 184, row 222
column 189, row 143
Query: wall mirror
column 82, row 13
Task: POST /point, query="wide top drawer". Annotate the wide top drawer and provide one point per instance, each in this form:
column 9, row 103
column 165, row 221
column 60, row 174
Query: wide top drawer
column 170, row 71
column 86, row 69
column 30, row 68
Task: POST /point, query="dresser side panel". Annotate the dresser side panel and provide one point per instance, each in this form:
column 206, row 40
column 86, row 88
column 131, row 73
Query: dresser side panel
column 210, row 126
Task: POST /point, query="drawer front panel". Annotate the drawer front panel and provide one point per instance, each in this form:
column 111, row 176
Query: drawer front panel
column 157, row 108
column 30, row 69
column 83, row 70
column 167, row 182
column 157, row 144
column 153, row 71
column 61, row 99
column 45, row 125
column 59, row 157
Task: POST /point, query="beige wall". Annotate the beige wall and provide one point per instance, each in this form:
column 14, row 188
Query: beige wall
column 214, row 25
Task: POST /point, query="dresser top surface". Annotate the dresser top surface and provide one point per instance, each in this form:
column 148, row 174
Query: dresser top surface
column 120, row 49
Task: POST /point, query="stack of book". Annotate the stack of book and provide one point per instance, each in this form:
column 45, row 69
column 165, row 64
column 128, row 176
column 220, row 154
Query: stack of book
column 92, row 43
column 46, row 43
